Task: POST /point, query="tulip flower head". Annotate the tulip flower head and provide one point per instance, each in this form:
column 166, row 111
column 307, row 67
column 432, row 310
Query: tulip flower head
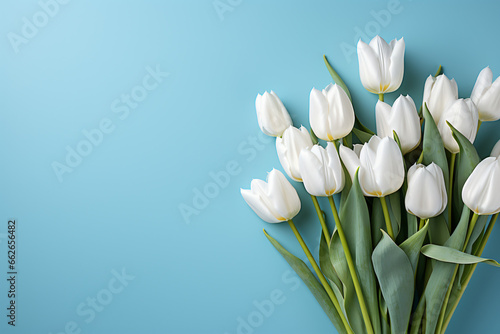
column 495, row 152
column 274, row 201
column 426, row 195
column 321, row 170
column 486, row 96
column 439, row 95
column 462, row 114
column 402, row 118
column 289, row 147
column 272, row 115
column 330, row 113
column 381, row 167
column 381, row 65
column 480, row 191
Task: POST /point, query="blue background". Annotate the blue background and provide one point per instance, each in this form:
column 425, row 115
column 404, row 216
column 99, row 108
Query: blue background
column 119, row 208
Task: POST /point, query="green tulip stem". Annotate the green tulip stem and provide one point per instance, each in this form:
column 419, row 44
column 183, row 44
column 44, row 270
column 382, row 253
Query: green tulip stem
column 450, row 287
column 321, row 277
column 469, row 275
column 422, row 223
column 450, row 188
column 387, row 217
column 321, row 219
column 381, row 97
column 352, row 269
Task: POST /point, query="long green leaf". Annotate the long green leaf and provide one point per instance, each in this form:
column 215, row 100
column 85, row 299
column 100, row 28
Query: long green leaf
column 326, row 265
column 363, row 136
column 412, row 246
column 336, row 77
column 452, row 255
column 433, row 147
column 442, row 273
column 395, row 276
column 355, row 219
column 351, row 303
column 466, row 160
column 438, row 230
column 311, row 282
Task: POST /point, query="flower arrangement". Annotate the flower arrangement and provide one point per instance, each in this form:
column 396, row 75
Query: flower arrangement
column 414, row 205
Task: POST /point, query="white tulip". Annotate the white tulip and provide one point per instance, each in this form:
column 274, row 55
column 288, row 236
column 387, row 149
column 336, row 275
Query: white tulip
column 272, row 115
column 426, row 196
column 321, row 170
column 480, row 191
column 439, row 95
column 350, row 158
column 495, row 152
column 486, row 96
column 381, row 167
column 401, row 118
column 330, row 113
column 274, row 201
column 462, row 114
column 381, row 65
column 289, row 146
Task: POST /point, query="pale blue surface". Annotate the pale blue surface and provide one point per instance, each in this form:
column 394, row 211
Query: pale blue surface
column 120, row 207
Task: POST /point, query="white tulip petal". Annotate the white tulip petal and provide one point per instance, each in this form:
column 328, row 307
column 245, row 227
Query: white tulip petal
column 350, row 160
column 369, row 68
column 480, row 191
column 318, row 113
column 483, row 83
column 495, row 152
column 257, row 205
column 489, row 104
column 396, row 68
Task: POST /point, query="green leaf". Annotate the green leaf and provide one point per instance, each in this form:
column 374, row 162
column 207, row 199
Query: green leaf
column 442, row 273
column 363, row 136
column 394, row 204
column 311, row 282
column 438, row 230
column 416, row 320
column 451, row 255
column 412, row 223
column 378, row 221
column 336, row 78
column 313, row 136
column 412, row 246
column 351, row 303
column 326, row 265
column 347, row 140
column 395, row 277
column 433, row 148
column 355, row 219
column 466, row 160
column 360, row 126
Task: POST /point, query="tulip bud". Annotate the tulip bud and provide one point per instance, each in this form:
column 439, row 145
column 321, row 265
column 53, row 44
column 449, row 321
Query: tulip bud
column 401, row 118
column 495, row 152
column 330, row 113
column 462, row 114
column 486, row 96
column 275, row 201
column 426, row 195
column 321, row 170
column 381, row 167
column 439, row 95
column 381, row 65
column 480, row 191
column 272, row 115
column 289, row 146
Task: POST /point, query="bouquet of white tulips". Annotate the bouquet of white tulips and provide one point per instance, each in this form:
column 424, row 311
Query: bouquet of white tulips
column 414, row 208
